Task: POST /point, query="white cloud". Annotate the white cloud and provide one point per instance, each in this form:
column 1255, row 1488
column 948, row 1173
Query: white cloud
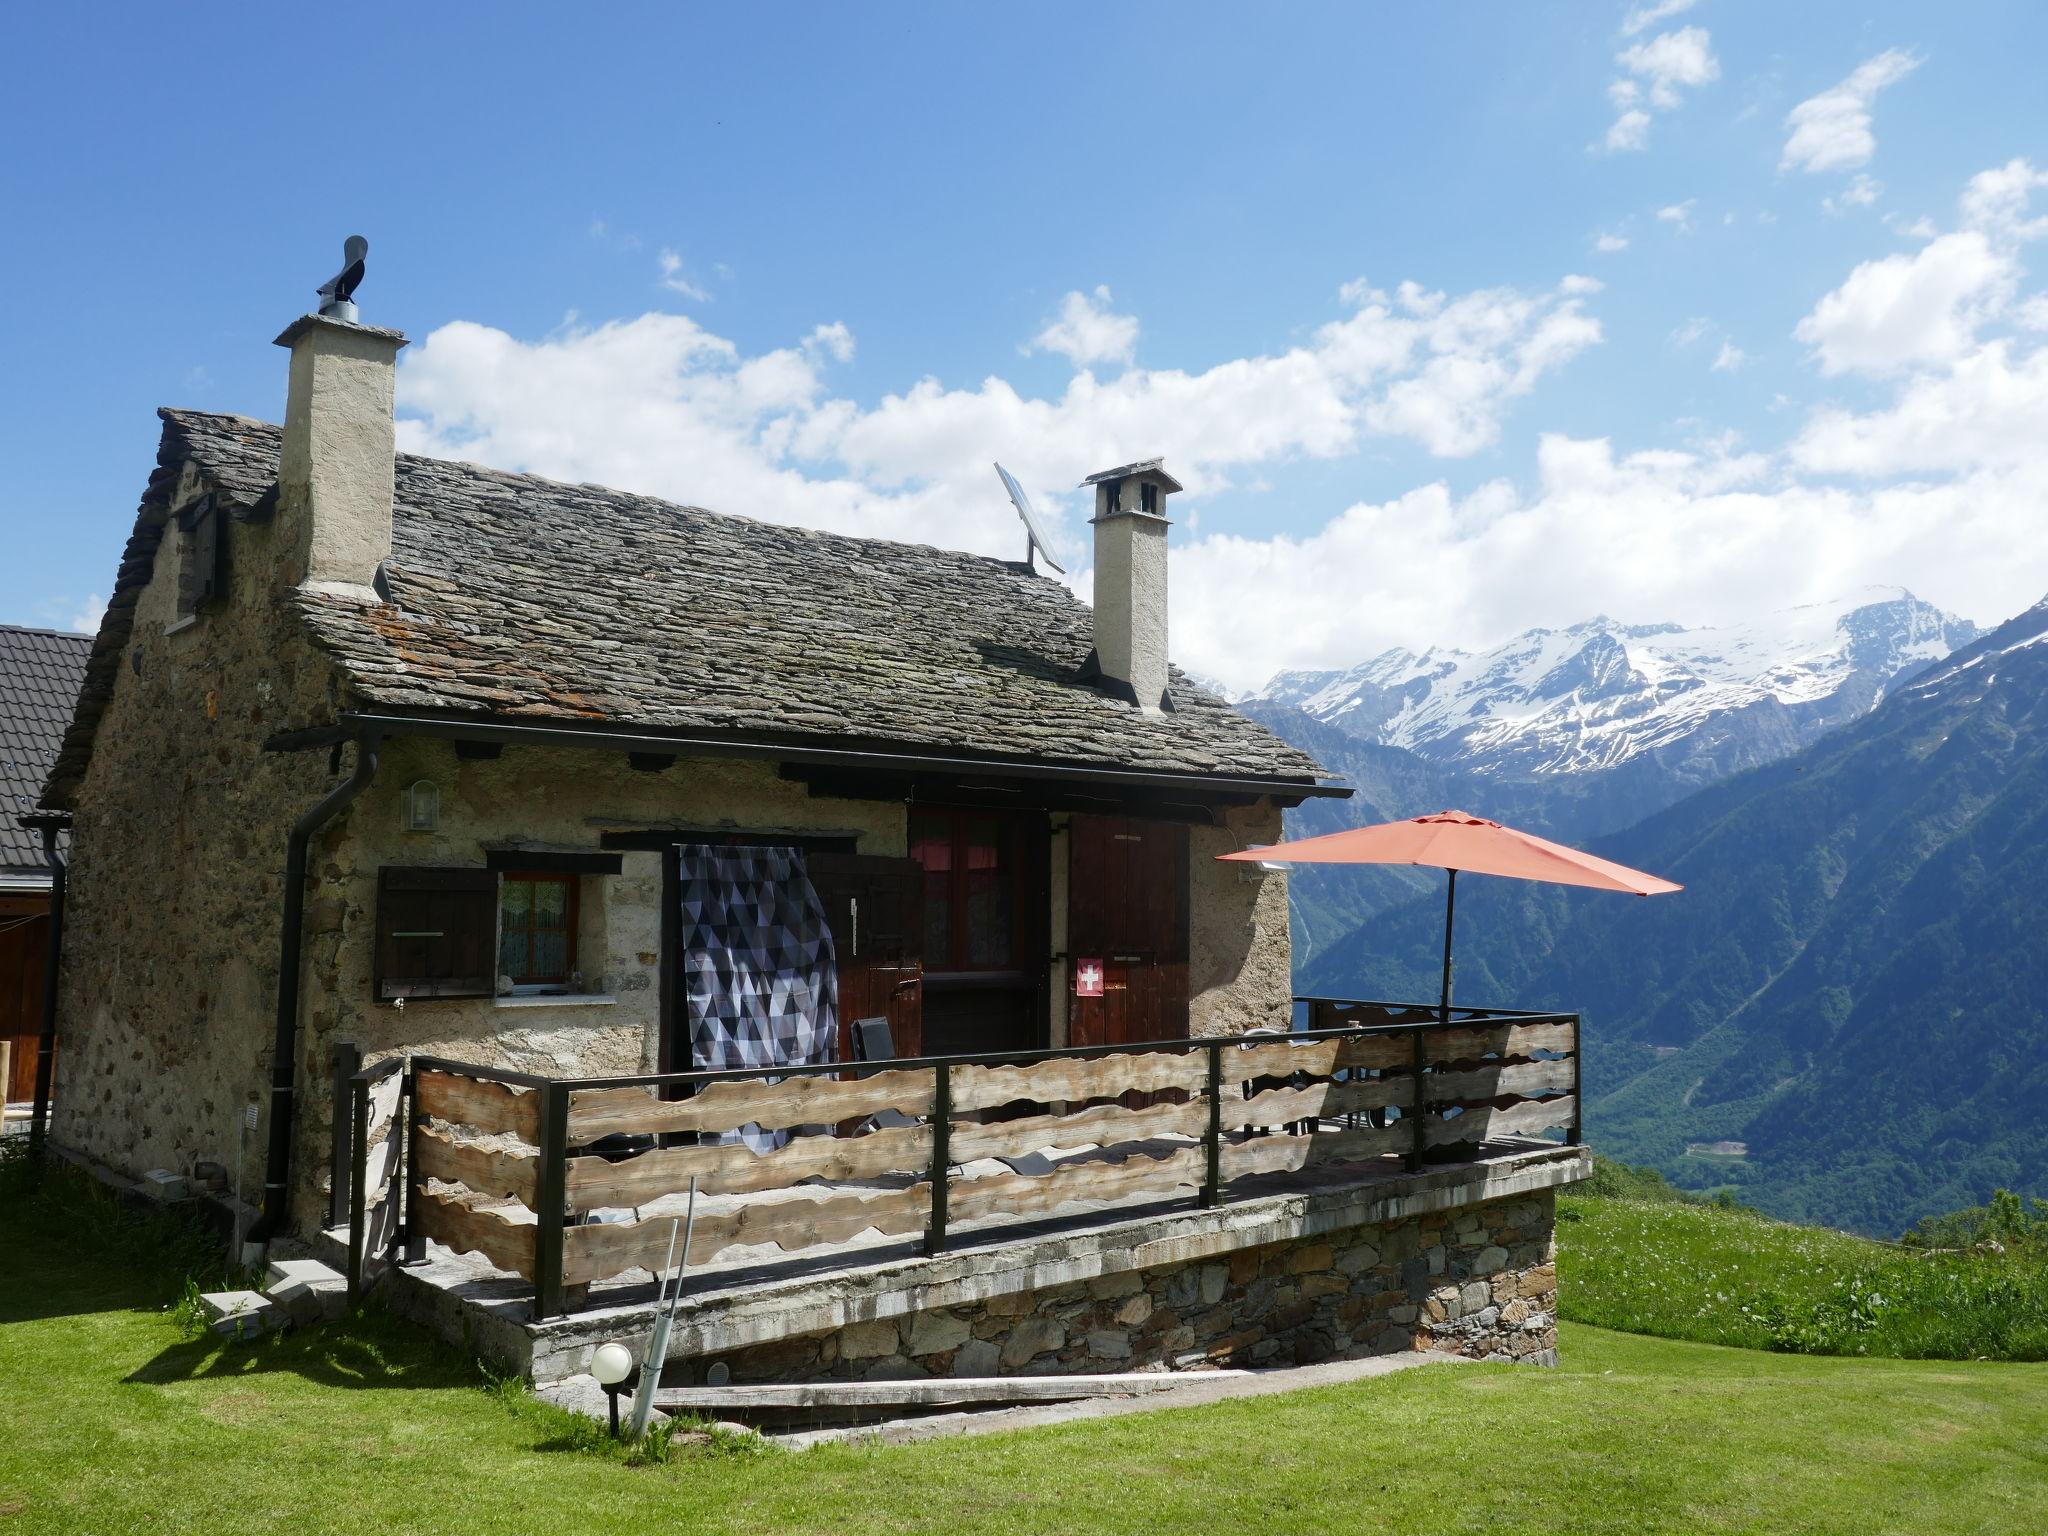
column 662, row 405
column 1862, row 191
column 1672, row 60
column 1678, row 215
column 1649, row 14
column 1906, row 311
column 1691, row 331
column 1831, row 131
column 1996, row 200
column 1607, row 245
column 1939, row 484
column 1658, row 72
column 85, row 619
column 1729, row 358
column 1088, row 332
column 673, row 278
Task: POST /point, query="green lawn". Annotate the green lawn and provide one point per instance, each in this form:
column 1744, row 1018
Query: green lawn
column 112, row 1422
column 1691, row 1271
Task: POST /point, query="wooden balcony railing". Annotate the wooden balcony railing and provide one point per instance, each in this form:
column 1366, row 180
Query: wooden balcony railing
column 513, row 1166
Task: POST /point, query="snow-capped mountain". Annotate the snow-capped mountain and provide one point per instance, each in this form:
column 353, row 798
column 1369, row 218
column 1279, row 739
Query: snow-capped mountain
column 1703, row 703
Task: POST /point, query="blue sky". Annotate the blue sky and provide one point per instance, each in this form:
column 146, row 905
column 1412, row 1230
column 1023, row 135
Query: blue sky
column 822, row 264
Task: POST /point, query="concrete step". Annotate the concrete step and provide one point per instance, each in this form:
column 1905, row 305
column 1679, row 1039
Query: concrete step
column 241, row 1314
column 926, row 1392
column 307, row 1290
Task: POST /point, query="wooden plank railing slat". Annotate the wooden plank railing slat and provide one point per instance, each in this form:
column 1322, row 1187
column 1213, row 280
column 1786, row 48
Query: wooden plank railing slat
column 488, row 1171
column 466, row 1229
column 1285, row 1154
column 1506, row 1080
column 1017, row 1194
column 738, row 1170
column 1449, row 1047
column 1283, row 1106
column 1531, row 1117
column 493, row 1108
column 597, row 1252
column 1070, row 1078
column 726, row 1106
column 1104, row 1125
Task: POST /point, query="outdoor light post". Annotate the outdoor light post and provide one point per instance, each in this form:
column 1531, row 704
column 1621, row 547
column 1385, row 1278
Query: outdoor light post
column 612, row 1365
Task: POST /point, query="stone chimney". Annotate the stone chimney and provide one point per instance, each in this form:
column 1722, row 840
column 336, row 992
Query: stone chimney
column 1130, row 581
column 334, row 475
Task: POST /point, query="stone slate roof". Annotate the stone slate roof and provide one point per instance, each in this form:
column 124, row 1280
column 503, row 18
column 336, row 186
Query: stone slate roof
column 40, row 671
column 522, row 598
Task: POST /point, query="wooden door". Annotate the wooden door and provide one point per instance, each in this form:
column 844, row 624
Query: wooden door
column 24, row 953
column 875, row 909
column 1127, row 906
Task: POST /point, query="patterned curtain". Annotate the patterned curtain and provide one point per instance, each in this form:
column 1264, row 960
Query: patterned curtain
column 760, row 978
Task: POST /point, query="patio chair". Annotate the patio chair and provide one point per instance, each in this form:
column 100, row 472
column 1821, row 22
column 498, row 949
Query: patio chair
column 874, row 1043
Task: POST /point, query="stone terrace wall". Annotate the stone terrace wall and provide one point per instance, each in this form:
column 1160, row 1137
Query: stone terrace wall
column 1478, row 1281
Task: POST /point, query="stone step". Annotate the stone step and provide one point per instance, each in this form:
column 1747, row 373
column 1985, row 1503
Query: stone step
column 308, row 1290
column 926, row 1392
column 241, row 1314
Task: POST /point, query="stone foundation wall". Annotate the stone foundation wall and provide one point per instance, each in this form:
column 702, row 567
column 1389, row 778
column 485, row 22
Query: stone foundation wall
column 1477, row 1281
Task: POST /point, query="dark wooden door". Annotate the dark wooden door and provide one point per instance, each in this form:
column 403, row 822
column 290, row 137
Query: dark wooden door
column 24, row 953
column 875, row 909
column 1127, row 906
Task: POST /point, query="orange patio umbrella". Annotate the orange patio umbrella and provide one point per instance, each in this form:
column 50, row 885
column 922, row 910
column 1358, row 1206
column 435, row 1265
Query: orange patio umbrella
column 1454, row 841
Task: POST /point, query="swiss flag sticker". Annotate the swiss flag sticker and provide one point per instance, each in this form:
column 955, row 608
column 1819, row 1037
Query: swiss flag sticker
column 1087, row 978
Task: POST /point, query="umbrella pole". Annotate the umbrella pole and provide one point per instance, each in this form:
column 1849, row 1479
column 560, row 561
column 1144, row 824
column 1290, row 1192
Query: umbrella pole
column 1450, row 909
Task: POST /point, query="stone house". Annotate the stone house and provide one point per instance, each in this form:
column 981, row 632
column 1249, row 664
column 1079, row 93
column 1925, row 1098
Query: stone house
column 393, row 751
column 39, row 676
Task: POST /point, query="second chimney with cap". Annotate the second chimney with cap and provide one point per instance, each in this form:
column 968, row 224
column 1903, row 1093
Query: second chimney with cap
column 1130, row 581
column 334, row 477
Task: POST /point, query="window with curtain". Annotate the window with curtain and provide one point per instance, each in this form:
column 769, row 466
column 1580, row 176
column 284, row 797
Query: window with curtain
column 537, row 928
column 970, row 861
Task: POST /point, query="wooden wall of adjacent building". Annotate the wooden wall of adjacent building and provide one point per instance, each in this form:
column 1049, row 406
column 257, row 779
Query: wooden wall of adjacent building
column 24, row 940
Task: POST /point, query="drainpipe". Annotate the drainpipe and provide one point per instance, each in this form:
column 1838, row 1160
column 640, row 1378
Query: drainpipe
column 46, row 1044
column 284, row 1052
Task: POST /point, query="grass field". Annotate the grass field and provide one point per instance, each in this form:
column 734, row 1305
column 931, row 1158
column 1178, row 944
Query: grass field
column 1695, row 1271
column 113, row 1421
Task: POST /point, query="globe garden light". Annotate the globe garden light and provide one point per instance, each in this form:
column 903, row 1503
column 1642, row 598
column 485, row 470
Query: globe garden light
column 611, row 1364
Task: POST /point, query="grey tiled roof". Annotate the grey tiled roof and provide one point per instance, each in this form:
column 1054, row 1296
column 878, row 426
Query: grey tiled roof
column 40, row 670
column 519, row 597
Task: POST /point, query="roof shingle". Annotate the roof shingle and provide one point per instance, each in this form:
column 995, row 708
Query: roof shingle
column 40, row 670
column 517, row 596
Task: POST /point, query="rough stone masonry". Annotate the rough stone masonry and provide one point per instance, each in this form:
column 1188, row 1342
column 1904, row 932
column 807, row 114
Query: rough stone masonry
column 1479, row 1281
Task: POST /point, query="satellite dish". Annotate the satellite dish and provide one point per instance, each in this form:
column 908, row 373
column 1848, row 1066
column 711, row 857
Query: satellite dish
column 1034, row 534
column 338, row 292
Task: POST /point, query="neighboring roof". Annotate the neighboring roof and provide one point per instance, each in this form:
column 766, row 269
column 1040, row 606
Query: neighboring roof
column 40, row 670
column 527, row 599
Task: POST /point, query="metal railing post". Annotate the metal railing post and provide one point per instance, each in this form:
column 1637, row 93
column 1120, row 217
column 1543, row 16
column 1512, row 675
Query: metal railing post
column 1578, row 1131
column 553, row 1197
column 409, row 1244
column 348, row 1061
column 1417, row 1147
column 358, row 1189
column 1212, row 1137
column 942, row 1155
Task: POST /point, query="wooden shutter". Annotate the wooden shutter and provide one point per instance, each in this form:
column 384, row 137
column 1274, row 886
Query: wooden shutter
column 199, row 581
column 875, row 909
column 436, row 932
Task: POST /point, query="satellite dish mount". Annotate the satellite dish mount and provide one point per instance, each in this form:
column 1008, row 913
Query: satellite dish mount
column 1034, row 535
column 337, row 294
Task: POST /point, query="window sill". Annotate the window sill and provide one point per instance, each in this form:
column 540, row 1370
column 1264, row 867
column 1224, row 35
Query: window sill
column 556, row 1000
column 181, row 624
